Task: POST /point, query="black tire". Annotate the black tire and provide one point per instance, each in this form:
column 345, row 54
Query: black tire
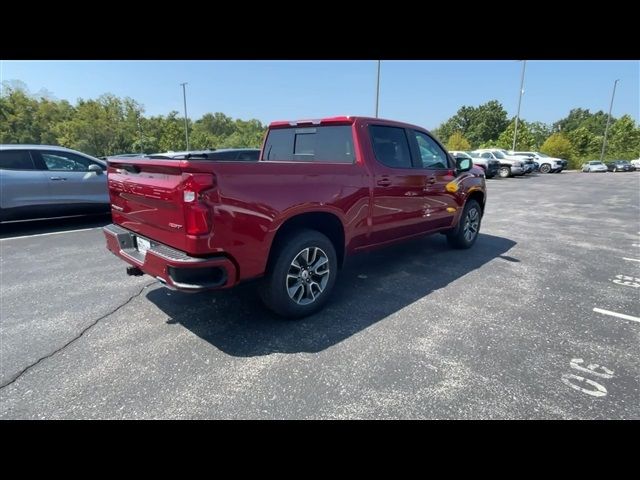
column 504, row 172
column 459, row 237
column 545, row 168
column 275, row 291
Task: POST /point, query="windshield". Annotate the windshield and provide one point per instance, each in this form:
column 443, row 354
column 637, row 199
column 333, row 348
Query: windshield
column 542, row 155
column 474, row 155
column 595, row 163
column 498, row 154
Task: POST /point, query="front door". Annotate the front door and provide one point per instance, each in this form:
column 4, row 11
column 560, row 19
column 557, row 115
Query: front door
column 70, row 179
column 439, row 205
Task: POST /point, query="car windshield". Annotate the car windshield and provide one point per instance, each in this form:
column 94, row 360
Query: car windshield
column 542, row 155
column 498, row 154
column 623, row 161
column 595, row 163
column 474, row 155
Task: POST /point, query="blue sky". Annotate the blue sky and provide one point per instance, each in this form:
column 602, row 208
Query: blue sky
column 420, row 92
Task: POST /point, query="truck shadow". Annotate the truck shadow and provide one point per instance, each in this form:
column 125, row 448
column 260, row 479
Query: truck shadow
column 371, row 287
column 52, row 225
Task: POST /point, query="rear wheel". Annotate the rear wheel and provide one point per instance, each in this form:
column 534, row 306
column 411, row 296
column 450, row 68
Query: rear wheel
column 546, row 168
column 504, row 172
column 466, row 233
column 301, row 274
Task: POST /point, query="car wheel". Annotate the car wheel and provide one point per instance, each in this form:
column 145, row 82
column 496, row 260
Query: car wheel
column 504, row 172
column 300, row 275
column 466, row 233
column 546, row 168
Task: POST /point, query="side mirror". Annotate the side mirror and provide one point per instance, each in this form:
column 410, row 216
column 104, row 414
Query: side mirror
column 463, row 164
column 95, row 168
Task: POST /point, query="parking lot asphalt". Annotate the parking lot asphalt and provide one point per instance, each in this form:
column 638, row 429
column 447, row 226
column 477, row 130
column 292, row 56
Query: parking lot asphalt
column 505, row 330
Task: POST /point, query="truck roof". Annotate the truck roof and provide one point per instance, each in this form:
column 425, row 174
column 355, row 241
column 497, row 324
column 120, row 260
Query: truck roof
column 342, row 119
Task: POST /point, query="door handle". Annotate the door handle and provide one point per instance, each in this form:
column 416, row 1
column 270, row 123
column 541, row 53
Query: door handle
column 385, row 182
column 57, row 178
column 431, row 180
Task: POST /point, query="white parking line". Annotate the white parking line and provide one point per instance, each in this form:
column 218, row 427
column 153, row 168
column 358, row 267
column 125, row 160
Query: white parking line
column 619, row 315
column 631, row 259
column 50, row 233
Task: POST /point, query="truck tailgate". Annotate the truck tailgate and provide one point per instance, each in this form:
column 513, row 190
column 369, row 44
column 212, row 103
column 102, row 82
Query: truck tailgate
column 146, row 197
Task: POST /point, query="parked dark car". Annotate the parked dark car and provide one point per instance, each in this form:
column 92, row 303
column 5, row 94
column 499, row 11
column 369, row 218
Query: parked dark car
column 224, row 154
column 620, row 166
column 489, row 166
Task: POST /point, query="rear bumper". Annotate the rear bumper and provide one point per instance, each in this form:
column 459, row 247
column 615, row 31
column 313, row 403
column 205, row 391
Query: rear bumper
column 173, row 268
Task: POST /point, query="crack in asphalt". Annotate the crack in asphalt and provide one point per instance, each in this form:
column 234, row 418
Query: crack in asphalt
column 82, row 332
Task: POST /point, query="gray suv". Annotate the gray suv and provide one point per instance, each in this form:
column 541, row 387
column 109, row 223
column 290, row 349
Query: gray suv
column 38, row 181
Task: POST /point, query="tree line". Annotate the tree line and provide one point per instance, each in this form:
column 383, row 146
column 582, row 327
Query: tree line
column 110, row 125
column 577, row 138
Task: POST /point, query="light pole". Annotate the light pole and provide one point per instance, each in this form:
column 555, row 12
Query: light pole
column 515, row 132
column 606, row 129
column 140, row 133
column 186, row 124
column 378, row 89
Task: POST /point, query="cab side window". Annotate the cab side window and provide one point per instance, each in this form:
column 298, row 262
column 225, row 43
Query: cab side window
column 432, row 156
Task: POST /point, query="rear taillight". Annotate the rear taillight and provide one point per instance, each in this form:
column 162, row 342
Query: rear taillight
column 197, row 212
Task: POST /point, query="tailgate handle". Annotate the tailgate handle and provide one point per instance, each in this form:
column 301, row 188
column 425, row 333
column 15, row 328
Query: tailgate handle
column 131, row 168
column 57, row 178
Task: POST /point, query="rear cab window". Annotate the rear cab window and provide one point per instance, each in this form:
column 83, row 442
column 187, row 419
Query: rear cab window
column 16, row 160
column 319, row 144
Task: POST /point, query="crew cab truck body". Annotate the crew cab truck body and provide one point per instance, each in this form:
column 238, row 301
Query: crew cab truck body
column 321, row 191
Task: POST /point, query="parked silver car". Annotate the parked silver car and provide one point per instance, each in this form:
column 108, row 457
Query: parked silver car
column 38, row 181
column 594, row 166
column 509, row 165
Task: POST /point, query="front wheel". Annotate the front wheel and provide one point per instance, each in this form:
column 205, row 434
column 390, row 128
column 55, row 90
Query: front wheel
column 466, row 233
column 504, row 172
column 546, row 168
column 301, row 274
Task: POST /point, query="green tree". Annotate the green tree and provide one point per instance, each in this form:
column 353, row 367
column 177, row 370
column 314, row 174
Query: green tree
column 540, row 132
column 580, row 117
column 586, row 145
column 524, row 140
column 623, row 141
column 479, row 125
column 559, row 146
column 458, row 142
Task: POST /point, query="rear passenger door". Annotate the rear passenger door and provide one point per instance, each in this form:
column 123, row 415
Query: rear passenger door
column 397, row 208
column 70, row 180
column 21, row 183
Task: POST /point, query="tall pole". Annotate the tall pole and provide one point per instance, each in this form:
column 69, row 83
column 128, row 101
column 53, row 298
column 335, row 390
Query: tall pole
column 140, row 133
column 378, row 89
column 606, row 129
column 186, row 124
column 515, row 132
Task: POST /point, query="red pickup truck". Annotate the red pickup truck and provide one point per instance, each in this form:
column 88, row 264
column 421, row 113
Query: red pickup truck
column 321, row 191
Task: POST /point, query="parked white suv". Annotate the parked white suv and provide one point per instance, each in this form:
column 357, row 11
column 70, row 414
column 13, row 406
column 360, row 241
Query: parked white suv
column 510, row 165
column 546, row 164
